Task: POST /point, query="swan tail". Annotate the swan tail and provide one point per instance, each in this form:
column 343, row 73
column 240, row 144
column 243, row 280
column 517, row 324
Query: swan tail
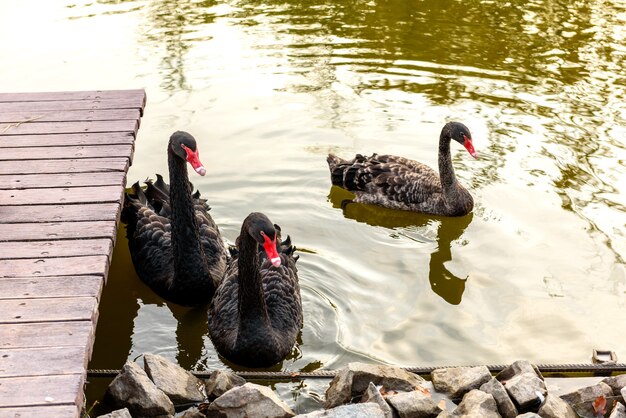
column 352, row 175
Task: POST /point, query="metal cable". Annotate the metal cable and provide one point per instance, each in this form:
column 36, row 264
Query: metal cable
column 601, row 369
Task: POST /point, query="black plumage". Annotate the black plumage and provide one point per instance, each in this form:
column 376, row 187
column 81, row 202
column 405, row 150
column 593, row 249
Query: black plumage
column 175, row 245
column 401, row 183
column 256, row 313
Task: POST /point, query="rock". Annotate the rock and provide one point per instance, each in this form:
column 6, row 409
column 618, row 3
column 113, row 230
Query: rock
column 177, row 383
column 506, row 407
column 477, row 404
column 444, row 414
column 120, row 413
column 526, row 390
column 415, row 404
column 372, row 394
column 529, row 415
column 360, row 410
column 517, row 368
column 249, row 400
column 618, row 411
column 221, row 381
column 133, row 389
column 588, row 394
column 352, row 380
column 555, row 407
column 457, row 381
column 193, row 413
column 616, row 383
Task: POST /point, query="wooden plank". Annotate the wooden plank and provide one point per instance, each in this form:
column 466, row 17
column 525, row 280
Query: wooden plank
column 53, row 153
column 31, row 128
column 55, row 140
column 52, row 411
column 50, row 287
column 15, row 311
column 59, row 213
column 42, row 391
column 64, row 248
column 83, row 165
column 29, row 181
column 26, row 116
column 66, row 195
column 45, row 231
column 58, row 334
column 60, row 266
column 136, row 94
column 72, row 105
column 42, row 361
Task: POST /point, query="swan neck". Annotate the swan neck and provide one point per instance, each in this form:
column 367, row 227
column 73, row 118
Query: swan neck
column 251, row 300
column 446, row 171
column 189, row 261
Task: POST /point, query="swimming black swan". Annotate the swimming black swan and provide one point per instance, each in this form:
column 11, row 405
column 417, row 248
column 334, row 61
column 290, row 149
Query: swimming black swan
column 174, row 243
column 400, row 183
column 256, row 313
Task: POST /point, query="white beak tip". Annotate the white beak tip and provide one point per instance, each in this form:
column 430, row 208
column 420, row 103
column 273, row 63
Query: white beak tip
column 275, row 261
column 201, row 170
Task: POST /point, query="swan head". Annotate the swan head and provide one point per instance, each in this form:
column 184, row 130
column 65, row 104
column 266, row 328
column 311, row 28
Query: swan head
column 184, row 146
column 461, row 134
column 264, row 232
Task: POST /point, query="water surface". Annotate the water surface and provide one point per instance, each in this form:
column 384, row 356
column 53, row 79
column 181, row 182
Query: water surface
column 270, row 87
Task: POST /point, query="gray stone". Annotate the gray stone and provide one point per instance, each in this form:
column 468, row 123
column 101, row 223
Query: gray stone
column 193, row 413
column 477, row 404
column 506, row 407
column 444, row 414
column 618, row 411
column 221, row 381
column 555, row 407
column 526, row 390
column 457, row 381
column 120, row 413
column 616, row 383
column 517, row 368
column 415, row 404
column 249, row 401
column 372, row 394
column 529, row 415
column 177, row 383
column 360, row 410
column 588, row 394
column 133, row 389
column 352, row 380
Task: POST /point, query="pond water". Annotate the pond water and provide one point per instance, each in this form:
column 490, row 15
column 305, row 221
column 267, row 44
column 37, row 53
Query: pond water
column 270, row 87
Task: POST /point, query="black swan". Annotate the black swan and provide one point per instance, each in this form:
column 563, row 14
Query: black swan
column 256, row 313
column 174, row 243
column 400, row 183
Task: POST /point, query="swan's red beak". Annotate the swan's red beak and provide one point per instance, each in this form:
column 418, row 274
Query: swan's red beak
column 193, row 158
column 270, row 249
column 469, row 147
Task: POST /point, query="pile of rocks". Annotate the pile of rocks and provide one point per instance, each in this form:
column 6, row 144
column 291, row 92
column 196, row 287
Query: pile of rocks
column 363, row 390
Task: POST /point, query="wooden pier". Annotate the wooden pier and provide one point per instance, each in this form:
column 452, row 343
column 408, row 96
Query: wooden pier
column 63, row 163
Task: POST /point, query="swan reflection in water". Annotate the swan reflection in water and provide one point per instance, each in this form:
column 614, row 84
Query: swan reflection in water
column 442, row 281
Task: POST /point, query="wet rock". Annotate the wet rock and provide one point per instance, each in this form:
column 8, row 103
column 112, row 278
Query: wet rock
column 372, row 394
column 120, row 413
column 248, row 401
column 133, row 389
column 221, row 381
column 526, row 390
column 457, row 381
column 193, row 413
column 587, row 394
column 352, row 380
column 415, row 404
column 619, row 411
column 506, row 407
column 555, row 407
column 360, row 410
column 477, row 404
column 616, row 383
column 177, row 383
column 517, row 368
